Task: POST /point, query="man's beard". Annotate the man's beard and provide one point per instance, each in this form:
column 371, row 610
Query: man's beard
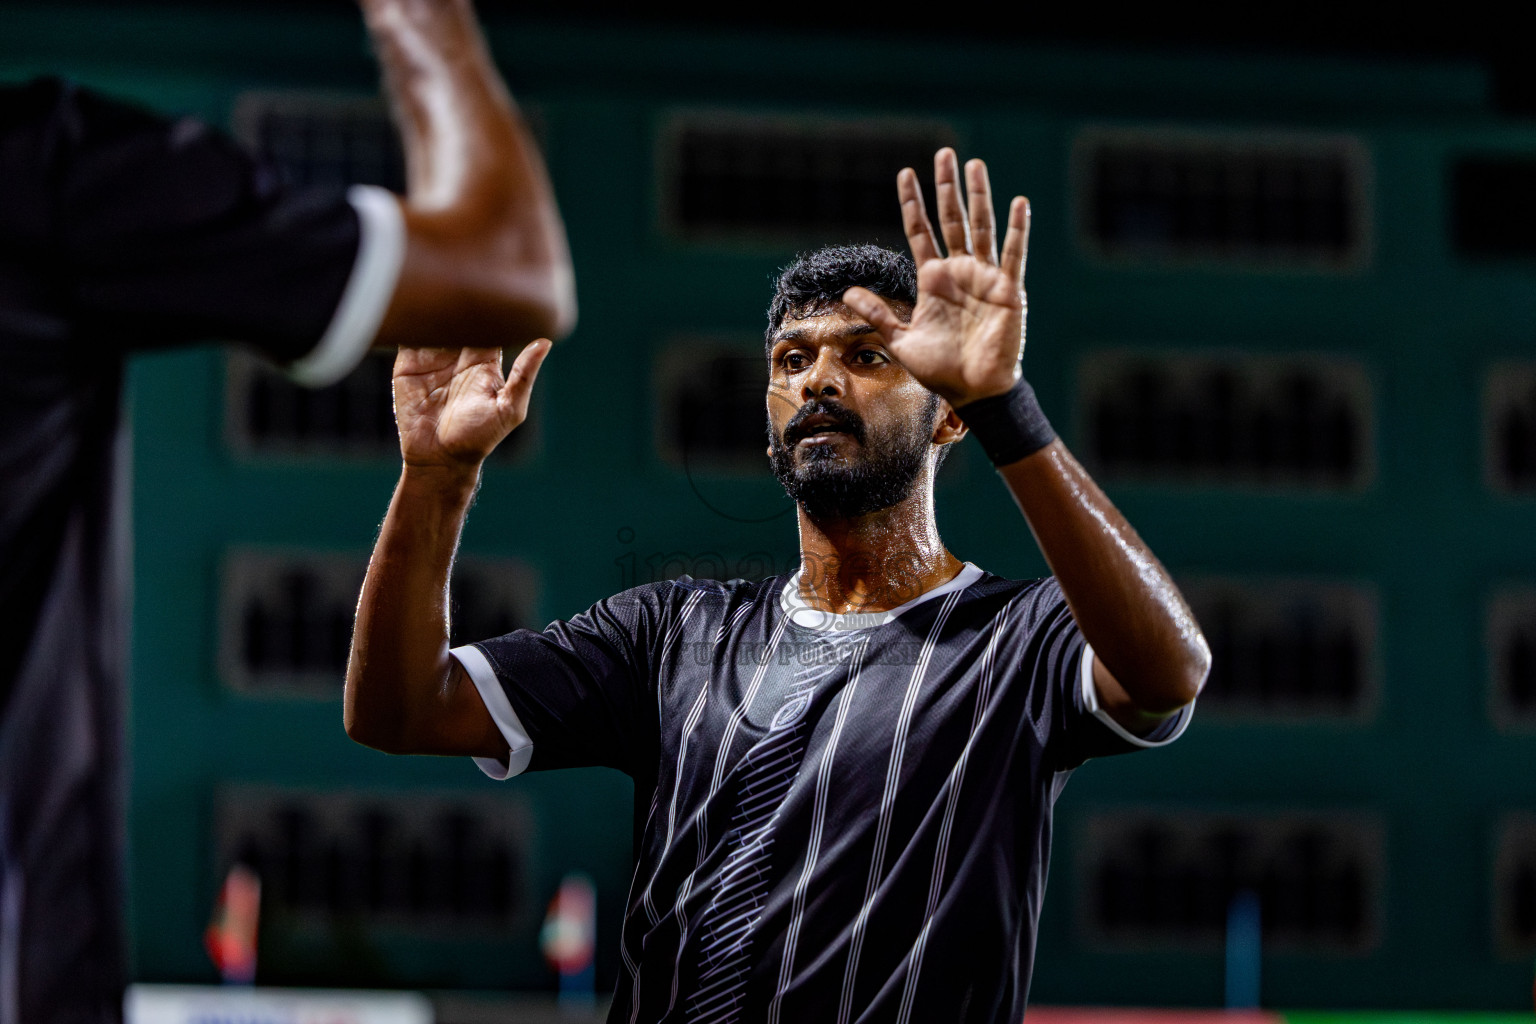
column 830, row 485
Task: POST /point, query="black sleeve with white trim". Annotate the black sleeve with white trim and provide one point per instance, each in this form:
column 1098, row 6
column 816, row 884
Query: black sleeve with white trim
column 370, row 286
column 1066, row 711
column 577, row 694
column 162, row 232
column 519, row 745
column 1170, row 729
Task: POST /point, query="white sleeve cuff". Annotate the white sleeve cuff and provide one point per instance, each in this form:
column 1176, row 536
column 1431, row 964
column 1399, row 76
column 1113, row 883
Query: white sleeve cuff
column 519, row 746
column 380, row 254
column 1166, row 732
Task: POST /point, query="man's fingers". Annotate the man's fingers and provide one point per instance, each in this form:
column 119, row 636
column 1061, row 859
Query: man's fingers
column 1016, row 242
column 525, row 370
column 914, row 218
column 946, row 185
column 873, row 308
column 978, row 192
column 475, row 356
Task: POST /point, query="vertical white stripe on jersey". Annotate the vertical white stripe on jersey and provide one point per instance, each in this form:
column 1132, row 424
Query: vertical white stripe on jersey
column 673, row 632
column 723, row 754
column 629, row 961
column 695, row 713
column 766, row 773
column 630, row 966
column 634, row 981
column 818, row 826
column 888, row 804
column 692, row 720
column 941, row 854
column 666, row 650
column 701, row 818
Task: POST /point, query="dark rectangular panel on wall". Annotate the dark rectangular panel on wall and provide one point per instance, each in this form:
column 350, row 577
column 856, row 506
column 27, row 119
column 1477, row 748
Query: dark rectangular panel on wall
column 1255, row 199
column 1514, row 886
column 710, row 409
column 267, row 415
column 1511, row 651
column 1166, row 879
column 287, row 621
column 1509, row 426
column 1287, row 649
column 1492, row 216
column 709, row 423
column 265, row 412
column 748, row 177
column 1228, row 418
column 326, row 138
column 286, row 617
column 429, row 864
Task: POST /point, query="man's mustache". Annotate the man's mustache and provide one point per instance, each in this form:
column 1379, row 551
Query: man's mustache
column 838, row 418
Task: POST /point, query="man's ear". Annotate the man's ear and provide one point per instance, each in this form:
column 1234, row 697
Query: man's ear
column 948, row 427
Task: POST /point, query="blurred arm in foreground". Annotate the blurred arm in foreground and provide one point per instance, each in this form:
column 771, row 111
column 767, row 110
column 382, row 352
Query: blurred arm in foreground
column 122, row 231
column 486, row 261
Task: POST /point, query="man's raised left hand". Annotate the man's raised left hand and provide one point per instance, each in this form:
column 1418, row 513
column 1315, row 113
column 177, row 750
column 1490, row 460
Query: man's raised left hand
column 966, row 335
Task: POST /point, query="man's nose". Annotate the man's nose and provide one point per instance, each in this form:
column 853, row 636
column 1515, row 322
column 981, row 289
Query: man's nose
column 826, row 378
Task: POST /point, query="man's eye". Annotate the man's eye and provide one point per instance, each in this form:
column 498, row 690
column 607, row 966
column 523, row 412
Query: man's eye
column 869, row 357
column 794, row 361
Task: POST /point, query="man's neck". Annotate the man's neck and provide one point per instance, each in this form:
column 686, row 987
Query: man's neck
column 876, row 562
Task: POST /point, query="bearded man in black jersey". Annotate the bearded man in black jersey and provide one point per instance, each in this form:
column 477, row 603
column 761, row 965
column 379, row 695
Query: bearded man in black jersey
column 844, row 777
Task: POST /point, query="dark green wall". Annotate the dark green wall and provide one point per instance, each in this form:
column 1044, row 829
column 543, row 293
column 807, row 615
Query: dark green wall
column 1426, row 531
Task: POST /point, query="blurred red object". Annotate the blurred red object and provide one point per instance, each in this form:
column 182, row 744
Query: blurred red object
column 231, row 935
column 570, row 927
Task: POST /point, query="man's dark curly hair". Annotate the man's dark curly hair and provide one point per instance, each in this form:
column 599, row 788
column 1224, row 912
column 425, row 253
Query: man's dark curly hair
column 815, row 281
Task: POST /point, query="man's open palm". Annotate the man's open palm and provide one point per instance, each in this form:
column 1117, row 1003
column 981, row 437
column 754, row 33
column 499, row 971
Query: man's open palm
column 453, row 406
column 967, row 331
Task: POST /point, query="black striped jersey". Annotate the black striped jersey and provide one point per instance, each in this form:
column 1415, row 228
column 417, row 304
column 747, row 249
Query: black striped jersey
column 839, row 818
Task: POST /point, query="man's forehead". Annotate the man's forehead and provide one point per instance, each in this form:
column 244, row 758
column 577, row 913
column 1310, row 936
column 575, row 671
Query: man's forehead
column 836, row 321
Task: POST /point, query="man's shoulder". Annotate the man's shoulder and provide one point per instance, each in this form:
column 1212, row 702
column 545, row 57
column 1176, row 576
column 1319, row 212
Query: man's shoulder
column 686, row 591
column 1025, row 602
column 994, row 587
column 725, row 594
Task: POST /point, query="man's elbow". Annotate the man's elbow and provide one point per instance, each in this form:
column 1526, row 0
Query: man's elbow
column 359, row 731
column 464, row 281
column 371, row 731
column 1186, row 683
column 544, row 307
column 524, row 264
column 523, row 271
column 559, row 302
column 1178, row 684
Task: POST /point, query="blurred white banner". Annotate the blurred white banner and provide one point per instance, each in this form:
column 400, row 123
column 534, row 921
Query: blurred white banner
column 196, row 1004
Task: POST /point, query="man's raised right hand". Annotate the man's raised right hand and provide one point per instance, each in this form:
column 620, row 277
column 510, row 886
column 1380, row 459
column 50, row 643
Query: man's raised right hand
column 453, row 406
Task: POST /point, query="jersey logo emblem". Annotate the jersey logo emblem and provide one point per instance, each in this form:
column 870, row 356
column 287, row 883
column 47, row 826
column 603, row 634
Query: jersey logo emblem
column 790, row 713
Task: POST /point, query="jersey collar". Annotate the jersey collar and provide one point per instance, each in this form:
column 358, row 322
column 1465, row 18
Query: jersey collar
column 806, row 617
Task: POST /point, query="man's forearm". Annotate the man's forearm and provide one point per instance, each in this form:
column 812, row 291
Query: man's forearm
column 399, row 669
column 1124, row 602
column 486, row 258
column 456, row 119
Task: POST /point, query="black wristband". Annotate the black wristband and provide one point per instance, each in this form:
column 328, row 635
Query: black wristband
column 1010, row 425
